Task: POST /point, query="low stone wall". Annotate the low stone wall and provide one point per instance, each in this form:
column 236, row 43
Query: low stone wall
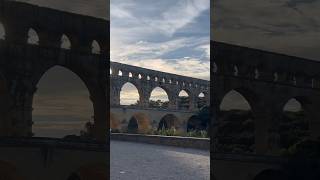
column 184, row 142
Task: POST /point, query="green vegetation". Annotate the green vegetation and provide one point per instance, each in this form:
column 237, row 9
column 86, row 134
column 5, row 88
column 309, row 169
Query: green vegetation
column 293, row 129
column 174, row 132
column 236, row 132
column 155, row 104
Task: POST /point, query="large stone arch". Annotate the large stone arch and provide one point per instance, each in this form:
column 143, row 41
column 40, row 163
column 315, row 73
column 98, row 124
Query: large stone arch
column 96, row 92
column 295, row 126
column 249, row 95
column 189, row 97
column 199, row 99
column 305, row 101
column 164, row 89
column 169, row 121
column 139, row 123
column 88, row 111
column 136, row 86
column 237, row 126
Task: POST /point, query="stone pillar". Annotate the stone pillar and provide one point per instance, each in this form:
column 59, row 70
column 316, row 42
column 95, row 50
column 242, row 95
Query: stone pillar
column 101, row 126
column 22, row 108
column 261, row 132
column 50, row 40
column 313, row 118
column 173, row 101
column 193, row 101
column 144, row 96
column 214, row 123
column 115, row 94
column 266, row 123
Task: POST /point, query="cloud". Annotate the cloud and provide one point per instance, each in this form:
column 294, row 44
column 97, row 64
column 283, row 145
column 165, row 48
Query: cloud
column 285, row 26
column 179, row 15
column 185, row 66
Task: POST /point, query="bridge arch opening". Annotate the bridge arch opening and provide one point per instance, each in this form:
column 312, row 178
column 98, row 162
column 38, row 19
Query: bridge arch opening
column 294, row 125
column 139, row 123
column 65, row 42
column 62, row 105
column 169, row 121
column 201, row 100
column 237, row 131
column 120, row 73
column 129, row 95
column 2, row 32
column 95, row 47
column 199, row 121
column 183, row 100
column 33, row 37
column 158, row 98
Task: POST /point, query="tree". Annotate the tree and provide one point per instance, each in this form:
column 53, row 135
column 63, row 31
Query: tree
column 88, row 131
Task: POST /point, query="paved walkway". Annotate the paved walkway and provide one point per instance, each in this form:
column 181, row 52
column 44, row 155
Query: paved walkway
column 137, row 161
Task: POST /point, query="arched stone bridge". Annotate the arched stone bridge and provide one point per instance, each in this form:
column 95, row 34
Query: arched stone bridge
column 35, row 39
column 146, row 80
column 267, row 81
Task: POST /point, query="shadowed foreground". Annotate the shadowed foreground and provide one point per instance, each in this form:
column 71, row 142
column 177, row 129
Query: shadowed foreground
column 137, row 161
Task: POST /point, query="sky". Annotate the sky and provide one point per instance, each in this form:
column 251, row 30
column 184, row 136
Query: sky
column 169, row 36
column 285, row 26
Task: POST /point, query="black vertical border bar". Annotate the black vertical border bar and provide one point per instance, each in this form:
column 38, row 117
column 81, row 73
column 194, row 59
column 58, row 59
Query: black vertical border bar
column 108, row 59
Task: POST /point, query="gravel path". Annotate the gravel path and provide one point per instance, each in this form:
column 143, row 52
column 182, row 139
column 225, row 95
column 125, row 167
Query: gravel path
column 137, row 161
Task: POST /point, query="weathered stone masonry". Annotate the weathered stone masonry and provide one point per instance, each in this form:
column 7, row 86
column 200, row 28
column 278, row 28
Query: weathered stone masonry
column 22, row 64
column 267, row 81
column 147, row 80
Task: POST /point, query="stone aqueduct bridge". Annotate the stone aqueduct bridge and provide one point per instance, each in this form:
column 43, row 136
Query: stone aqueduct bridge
column 267, row 81
column 23, row 61
column 146, row 80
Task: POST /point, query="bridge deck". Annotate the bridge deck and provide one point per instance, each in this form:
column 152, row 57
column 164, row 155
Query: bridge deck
column 144, row 161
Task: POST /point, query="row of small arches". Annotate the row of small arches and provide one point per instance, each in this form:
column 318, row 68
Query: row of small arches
column 33, row 38
column 142, row 123
column 157, row 79
column 129, row 95
column 292, row 79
